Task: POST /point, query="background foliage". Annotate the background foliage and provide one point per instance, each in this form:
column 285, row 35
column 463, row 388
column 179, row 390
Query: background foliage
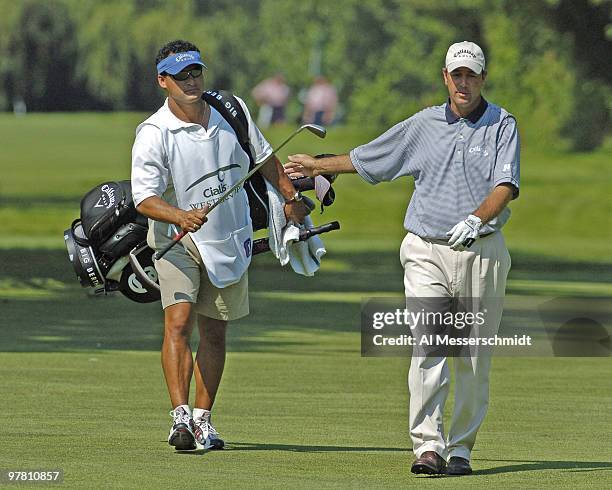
column 546, row 58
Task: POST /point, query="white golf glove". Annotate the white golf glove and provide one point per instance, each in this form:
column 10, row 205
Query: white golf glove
column 464, row 233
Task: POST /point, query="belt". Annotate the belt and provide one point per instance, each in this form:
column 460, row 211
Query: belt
column 444, row 241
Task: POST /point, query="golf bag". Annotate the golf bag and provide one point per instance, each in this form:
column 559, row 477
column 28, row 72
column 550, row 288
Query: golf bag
column 99, row 243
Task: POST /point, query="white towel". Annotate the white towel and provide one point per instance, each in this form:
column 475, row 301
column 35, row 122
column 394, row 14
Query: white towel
column 304, row 257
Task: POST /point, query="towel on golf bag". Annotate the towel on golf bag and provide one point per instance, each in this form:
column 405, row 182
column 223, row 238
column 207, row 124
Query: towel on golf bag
column 304, row 257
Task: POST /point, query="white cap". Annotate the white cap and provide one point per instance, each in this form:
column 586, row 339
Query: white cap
column 466, row 54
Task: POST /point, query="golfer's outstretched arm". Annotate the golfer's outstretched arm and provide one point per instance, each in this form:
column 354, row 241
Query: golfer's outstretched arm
column 305, row 165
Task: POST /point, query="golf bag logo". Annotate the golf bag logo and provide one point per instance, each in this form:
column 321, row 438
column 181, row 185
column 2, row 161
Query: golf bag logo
column 135, row 285
column 107, row 197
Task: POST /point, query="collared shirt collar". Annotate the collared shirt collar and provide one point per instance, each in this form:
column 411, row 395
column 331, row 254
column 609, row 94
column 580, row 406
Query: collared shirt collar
column 174, row 122
column 473, row 116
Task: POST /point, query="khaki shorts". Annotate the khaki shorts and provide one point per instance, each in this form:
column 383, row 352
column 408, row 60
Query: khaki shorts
column 183, row 279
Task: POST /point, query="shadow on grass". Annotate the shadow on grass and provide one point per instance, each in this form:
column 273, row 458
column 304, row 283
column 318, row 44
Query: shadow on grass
column 543, row 268
column 56, row 314
column 255, row 446
column 292, row 448
column 526, row 465
column 362, row 271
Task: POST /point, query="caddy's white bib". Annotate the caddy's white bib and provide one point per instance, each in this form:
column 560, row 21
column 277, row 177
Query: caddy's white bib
column 203, row 165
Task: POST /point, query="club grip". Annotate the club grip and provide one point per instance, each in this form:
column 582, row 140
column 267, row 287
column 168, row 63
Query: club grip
column 317, row 230
column 262, row 245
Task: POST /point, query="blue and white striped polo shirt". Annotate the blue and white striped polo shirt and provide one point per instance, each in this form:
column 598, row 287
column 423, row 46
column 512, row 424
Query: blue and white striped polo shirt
column 456, row 162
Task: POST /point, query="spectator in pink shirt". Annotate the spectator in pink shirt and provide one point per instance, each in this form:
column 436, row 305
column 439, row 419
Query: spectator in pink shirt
column 271, row 95
column 321, row 102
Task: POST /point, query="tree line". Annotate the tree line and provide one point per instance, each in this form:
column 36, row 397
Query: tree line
column 547, row 59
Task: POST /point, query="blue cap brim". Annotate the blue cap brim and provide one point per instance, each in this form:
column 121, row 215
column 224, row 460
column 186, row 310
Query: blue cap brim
column 177, row 62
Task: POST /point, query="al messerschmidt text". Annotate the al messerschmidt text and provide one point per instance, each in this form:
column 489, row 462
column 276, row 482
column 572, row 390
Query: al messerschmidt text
column 432, row 340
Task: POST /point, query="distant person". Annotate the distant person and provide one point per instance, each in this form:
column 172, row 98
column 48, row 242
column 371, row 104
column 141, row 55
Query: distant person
column 464, row 156
column 181, row 155
column 271, row 95
column 320, row 103
column 19, row 107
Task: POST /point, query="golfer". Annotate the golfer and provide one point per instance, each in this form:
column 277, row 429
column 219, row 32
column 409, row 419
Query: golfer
column 184, row 157
column 464, row 158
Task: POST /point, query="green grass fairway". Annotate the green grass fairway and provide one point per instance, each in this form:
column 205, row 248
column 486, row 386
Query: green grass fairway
column 82, row 387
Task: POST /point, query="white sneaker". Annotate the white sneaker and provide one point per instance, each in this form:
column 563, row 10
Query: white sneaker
column 206, row 435
column 182, row 432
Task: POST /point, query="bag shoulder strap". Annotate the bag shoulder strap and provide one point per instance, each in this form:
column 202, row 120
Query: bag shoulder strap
column 230, row 109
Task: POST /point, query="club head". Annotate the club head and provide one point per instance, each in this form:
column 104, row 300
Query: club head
column 315, row 129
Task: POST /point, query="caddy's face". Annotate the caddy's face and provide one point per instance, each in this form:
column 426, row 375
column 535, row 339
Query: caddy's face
column 188, row 91
column 464, row 87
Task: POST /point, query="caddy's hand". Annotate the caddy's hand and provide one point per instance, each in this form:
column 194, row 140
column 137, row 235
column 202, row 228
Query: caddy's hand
column 464, row 233
column 300, row 165
column 296, row 211
column 193, row 220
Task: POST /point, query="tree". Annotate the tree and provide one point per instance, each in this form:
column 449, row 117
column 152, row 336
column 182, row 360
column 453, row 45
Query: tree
column 547, row 59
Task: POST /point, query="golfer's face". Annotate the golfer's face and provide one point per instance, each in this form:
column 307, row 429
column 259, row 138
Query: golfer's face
column 464, row 86
column 188, row 90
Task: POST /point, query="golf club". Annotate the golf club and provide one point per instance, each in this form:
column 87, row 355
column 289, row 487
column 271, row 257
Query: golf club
column 315, row 129
column 261, row 245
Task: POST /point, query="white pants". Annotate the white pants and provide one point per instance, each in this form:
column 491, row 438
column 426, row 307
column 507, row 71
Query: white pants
column 433, row 269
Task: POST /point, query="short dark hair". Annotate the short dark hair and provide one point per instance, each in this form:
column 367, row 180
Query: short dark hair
column 178, row 46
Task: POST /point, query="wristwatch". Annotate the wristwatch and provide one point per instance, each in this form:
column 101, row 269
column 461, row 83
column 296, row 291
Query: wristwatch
column 297, row 197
